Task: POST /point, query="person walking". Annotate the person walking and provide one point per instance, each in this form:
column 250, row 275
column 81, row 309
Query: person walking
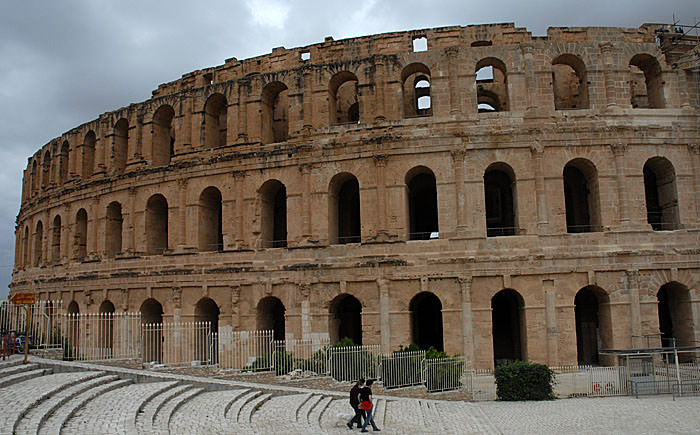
column 367, row 403
column 355, row 403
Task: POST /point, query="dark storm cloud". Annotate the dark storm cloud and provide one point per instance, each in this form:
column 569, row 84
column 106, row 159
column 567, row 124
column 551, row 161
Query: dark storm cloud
column 62, row 63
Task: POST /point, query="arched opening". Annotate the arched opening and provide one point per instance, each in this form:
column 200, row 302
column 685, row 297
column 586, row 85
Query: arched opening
column 121, row 145
column 491, row 85
column 344, row 209
column 210, row 234
column 38, row 243
column 35, row 178
column 56, row 239
column 163, row 146
column 113, row 229
column 152, row 330
column 46, row 170
column 106, row 328
column 205, row 346
column 581, row 197
column 499, row 196
column 71, row 346
column 63, row 163
column 344, row 106
column 415, row 79
column 346, row 319
column 593, row 328
column 80, row 237
column 273, row 214
column 426, row 321
column 569, row 82
column 89, row 154
column 275, row 124
column 675, row 315
column 214, row 123
column 422, row 204
column 157, row 224
column 646, row 83
column 661, row 194
column 508, row 325
column 270, row 317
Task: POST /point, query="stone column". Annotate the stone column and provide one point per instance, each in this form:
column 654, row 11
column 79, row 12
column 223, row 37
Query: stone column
column 235, row 300
column 239, row 177
column 694, row 149
column 465, row 285
column 530, row 81
column 537, row 151
column 92, row 227
column 183, row 240
column 305, row 170
column 379, row 79
column 242, row 113
column 635, row 307
column 307, row 107
column 460, row 193
column 304, row 292
column 608, row 73
column 177, row 303
column 130, row 222
column 380, row 164
column 550, row 311
column 618, row 150
column 384, row 313
column 453, row 80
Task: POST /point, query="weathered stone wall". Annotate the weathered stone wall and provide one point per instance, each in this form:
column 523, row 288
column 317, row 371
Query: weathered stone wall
column 217, row 128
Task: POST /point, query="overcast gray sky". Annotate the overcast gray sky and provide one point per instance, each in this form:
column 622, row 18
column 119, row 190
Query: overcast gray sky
column 62, row 63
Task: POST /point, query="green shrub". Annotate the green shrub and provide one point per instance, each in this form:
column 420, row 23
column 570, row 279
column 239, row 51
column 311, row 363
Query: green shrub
column 345, row 342
column 520, row 380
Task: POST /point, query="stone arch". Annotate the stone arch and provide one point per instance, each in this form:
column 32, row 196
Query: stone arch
column 38, row 243
column 70, row 348
column 415, row 80
column 500, row 199
column 273, row 214
column 156, row 224
column 660, row 194
column 81, row 234
column 120, row 145
column 206, row 310
column 581, row 196
column 345, row 319
column 343, row 102
column 593, row 324
column 46, row 170
column 426, row 321
column 646, row 82
column 422, row 204
column 113, row 229
column 508, row 326
column 675, row 315
column 210, row 220
column 214, row 123
column 344, row 221
column 152, row 330
column 106, row 327
column 88, row 163
column 63, row 161
column 491, row 85
column 569, row 82
column 163, row 136
column 56, row 238
column 275, row 109
column 271, row 317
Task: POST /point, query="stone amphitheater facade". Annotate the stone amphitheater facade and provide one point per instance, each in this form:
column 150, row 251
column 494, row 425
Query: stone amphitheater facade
column 477, row 189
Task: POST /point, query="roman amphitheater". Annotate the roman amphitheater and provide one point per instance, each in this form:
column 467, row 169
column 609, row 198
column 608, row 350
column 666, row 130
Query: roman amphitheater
column 476, row 189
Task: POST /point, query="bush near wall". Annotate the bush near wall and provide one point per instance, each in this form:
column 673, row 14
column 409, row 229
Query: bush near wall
column 520, row 380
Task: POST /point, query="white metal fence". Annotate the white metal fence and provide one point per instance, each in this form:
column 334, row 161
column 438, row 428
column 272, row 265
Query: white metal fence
column 43, row 326
column 178, row 343
column 307, row 355
column 100, row 336
column 353, row 362
column 402, row 369
column 446, row 374
column 244, row 350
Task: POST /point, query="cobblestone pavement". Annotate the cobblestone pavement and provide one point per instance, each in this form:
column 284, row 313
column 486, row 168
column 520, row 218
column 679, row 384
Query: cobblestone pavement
column 72, row 398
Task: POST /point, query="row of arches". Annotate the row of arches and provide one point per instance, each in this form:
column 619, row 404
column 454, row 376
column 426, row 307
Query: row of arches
column 581, row 195
column 569, row 85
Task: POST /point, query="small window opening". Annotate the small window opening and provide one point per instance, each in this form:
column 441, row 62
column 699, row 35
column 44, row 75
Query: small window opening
column 482, row 43
column 305, row 55
column 491, row 85
column 208, row 79
column 485, row 74
column 420, row 44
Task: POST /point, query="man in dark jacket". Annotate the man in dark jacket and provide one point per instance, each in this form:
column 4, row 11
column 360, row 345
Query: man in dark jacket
column 355, row 403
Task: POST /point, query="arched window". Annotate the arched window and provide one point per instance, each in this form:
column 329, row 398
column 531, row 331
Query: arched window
column 121, row 145
column 210, row 220
column 71, row 348
column 415, row 79
column 80, row 238
column 89, row 154
column 152, row 330
column 675, row 315
column 206, row 310
column 163, row 146
column 35, row 178
column 569, row 82
column 46, row 170
column 646, row 83
column 344, row 106
column 499, row 195
column 275, row 123
column 270, row 316
column 593, row 328
column 491, row 85
column 273, row 214
column 157, row 224
column 422, row 204
column 426, row 321
column 38, row 243
column 214, row 124
column 106, row 328
column 344, row 224
column 661, row 195
column 113, row 229
column 346, row 319
column 581, row 197
column 56, row 239
column 508, row 325
column 63, row 163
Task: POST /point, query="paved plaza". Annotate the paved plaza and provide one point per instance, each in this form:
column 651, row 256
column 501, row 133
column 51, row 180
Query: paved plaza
column 55, row 397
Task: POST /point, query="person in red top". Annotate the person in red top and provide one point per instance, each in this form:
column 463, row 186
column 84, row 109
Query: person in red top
column 366, row 396
column 355, row 403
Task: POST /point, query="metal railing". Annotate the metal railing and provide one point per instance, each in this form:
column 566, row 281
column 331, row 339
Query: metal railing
column 43, row 327
column 244, row 350
column 100, row 336
column 350, row 363
column 446, row 374
column 178, row 343
column 402, row 369
column 306, row 355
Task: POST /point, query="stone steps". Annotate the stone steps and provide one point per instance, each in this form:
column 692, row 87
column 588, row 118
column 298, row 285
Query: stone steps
column 146, row 419
column 11, row 369
column 22, row 376
column 162, row 419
